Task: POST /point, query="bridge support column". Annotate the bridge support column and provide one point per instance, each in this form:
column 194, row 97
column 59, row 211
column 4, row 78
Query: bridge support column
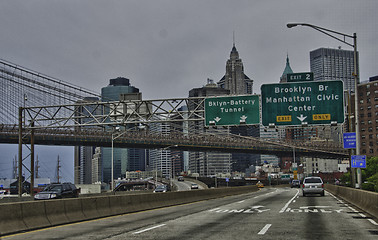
column 32, row 161
column 20, row 151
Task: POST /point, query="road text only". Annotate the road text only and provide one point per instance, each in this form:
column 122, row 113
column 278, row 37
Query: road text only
column 316, row 102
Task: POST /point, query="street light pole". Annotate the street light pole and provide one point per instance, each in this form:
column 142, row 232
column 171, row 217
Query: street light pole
column 112, row 166
column 330, row 33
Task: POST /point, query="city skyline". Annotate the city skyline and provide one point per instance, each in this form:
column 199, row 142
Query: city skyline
column 178, row 44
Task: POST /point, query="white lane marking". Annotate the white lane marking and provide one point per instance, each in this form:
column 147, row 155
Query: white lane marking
column 265, row 229
column 241, row 201
column 148, row 229
column 362, row 215
column 287, row 204
column 354, row 210
column 372, row 221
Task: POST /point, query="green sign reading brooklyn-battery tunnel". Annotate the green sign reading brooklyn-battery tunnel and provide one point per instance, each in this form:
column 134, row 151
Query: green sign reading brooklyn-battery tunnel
column 316, row 102
column 235, row 110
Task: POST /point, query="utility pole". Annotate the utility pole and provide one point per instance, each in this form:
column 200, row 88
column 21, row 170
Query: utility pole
column 37, row 168
column 58, row 166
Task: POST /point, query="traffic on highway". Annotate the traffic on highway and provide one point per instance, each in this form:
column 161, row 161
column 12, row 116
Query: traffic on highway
column 269, row 213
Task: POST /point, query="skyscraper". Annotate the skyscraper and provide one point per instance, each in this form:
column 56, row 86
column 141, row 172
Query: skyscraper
column 238, row 83
column 115, row 91
column 208, row 163
column 286, row 71
column 235, row 80
column 333, row 64
column 83, row 155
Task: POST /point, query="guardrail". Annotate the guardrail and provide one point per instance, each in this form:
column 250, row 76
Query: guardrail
column 24, row 216
column 367, row 201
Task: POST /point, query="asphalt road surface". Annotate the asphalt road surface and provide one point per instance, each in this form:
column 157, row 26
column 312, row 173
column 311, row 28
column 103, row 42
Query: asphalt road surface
column 271, row 213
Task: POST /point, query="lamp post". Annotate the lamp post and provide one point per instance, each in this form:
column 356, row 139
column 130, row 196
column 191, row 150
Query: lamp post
column 171, row 174
column 114, row 137
column 336, row 35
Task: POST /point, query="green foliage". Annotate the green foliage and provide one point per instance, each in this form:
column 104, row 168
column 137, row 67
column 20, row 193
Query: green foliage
column 345, row 179
column 370, row 175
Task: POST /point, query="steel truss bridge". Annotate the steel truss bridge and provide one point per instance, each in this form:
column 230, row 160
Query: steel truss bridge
column 61, row 115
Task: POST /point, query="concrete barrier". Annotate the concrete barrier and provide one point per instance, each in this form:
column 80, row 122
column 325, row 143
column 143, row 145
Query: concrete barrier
column 11, row 218
column 103, row 206
column 21, row 216
column 366, row 200
column 34, row 215
column 55, row 212
column 89, row 208
column 73, row 210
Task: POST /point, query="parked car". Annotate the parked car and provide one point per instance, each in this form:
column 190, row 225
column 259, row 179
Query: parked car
column 296, row 183
column 58, row 190
column 161, row 188
column 180, row 178
column 313, row 185
column 194, row 186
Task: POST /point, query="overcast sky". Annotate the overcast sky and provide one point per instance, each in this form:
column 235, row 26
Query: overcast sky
column 167, row 47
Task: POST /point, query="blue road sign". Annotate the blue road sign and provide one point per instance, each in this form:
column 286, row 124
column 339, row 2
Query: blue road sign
column 349, row 140
column 358, row 161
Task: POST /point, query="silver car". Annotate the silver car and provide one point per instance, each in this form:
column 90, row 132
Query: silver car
column 313, row 185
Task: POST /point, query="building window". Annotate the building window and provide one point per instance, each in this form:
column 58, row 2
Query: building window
column 363, row 144
column 371, row 150
column 370, row 129
column 370, row 136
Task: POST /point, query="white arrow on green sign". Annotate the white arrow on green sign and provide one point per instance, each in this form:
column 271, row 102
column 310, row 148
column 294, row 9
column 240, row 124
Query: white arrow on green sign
column 316, row 103
column 234, row 110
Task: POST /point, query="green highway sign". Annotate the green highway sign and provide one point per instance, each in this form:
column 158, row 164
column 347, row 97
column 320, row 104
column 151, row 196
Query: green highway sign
column 235, row 110
column 300, row 77
column 300, row 103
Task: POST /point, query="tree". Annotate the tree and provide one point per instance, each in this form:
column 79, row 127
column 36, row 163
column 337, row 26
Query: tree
column 370, row 175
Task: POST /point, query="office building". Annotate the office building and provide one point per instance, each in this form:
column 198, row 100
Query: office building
column 83, row 155
column 120, row 89
column 208, row 163
column 368, row 116
column 286, row 71
column 235, row 80
column 238, row 83
column 334, row 64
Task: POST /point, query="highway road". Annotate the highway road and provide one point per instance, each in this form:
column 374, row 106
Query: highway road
column 270, row 213
column 185, row 185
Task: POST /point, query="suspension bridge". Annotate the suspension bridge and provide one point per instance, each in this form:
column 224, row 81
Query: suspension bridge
column 39, row 109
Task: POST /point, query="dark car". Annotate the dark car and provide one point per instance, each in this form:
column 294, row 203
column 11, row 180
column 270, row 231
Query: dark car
column 296, row 183
column 58, row 190
column 161, row 188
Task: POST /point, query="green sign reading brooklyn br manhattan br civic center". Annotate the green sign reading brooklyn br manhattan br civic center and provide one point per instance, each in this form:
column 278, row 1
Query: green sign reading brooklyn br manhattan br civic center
column 235, row 110
column 316, row 102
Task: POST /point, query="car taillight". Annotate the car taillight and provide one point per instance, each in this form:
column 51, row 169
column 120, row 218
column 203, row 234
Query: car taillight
column 303, row 185
column 322, row 185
